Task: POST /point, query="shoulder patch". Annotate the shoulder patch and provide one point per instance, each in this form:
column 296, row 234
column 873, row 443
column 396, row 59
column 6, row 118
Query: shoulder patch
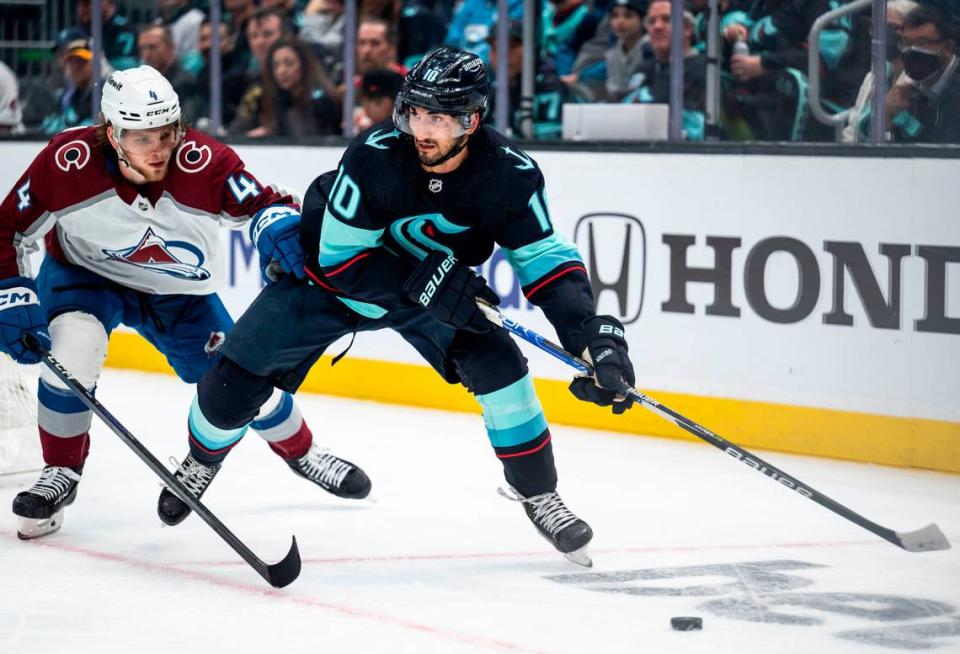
column 73, row 154
column 375, row 138
column 525, row 162
column 192, row 158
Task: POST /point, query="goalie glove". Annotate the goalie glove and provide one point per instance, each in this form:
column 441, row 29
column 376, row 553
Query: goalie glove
column 448, row 291
column 605, row 349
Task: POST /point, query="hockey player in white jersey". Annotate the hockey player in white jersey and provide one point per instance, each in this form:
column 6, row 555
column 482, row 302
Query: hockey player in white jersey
column 130, row 211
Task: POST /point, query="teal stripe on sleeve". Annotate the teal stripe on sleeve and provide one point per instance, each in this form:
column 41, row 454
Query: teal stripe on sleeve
column 535, row 260
column 340, row 242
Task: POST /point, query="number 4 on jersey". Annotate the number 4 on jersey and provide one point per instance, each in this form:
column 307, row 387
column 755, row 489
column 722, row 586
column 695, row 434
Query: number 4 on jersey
column 242, row 188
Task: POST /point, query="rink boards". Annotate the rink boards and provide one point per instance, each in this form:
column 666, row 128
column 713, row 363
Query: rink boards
column 796, row 303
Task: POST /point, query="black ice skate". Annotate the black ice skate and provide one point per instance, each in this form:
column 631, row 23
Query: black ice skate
column 41, row 508
column 195, row 476
column 332, row 474
column 555, row 522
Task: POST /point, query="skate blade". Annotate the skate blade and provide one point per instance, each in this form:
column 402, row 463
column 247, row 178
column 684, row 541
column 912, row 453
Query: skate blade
column 30, row 528
column 580, row 557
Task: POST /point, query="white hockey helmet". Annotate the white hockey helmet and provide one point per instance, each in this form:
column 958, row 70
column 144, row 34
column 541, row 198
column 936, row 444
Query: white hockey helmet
column 139, row 98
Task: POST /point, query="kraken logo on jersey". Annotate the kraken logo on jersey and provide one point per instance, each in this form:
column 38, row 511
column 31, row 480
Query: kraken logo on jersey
column 158, row 255
column 421, row 229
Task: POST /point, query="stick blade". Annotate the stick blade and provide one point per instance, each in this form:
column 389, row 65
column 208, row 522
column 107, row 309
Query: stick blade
column 928, row 539
column 286, row 571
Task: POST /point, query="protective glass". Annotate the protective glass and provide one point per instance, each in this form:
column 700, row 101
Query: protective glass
column 424, row 124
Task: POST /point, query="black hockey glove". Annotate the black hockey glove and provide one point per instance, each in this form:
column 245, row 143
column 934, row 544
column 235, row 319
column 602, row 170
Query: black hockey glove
column 606, row 349
column 447, row 290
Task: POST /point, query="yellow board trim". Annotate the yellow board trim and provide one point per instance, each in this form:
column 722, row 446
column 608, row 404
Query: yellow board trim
column 888, row 440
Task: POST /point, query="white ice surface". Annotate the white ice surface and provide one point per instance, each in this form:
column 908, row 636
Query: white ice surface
column 441, row 563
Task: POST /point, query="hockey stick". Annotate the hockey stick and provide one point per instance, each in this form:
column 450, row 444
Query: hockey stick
column 277, row 575
column 927, row 539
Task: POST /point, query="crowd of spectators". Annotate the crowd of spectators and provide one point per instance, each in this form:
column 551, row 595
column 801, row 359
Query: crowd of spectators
column 283, row 73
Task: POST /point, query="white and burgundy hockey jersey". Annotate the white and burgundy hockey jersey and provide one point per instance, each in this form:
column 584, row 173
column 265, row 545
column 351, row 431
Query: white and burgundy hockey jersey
column 159, row 238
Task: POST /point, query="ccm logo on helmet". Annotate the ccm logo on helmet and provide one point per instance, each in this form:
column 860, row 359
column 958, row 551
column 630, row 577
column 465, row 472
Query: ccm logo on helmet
column 159, row 112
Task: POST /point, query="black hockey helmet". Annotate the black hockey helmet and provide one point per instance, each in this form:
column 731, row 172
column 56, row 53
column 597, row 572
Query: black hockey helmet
column 448, row 81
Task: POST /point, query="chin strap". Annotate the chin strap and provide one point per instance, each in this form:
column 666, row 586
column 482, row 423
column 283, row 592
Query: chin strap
column 454, row 151
column 122, row 158
column 140, row 177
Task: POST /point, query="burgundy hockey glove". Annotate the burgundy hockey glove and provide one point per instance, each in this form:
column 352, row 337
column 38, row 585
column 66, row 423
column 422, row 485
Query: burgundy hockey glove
column 606, row 349
column 448, row 291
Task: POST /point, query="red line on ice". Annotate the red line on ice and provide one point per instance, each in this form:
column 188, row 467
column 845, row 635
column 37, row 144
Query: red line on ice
column 287, row 596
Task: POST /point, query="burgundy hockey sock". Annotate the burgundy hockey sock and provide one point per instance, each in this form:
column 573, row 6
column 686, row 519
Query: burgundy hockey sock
column 67, row 452
column 296, row 446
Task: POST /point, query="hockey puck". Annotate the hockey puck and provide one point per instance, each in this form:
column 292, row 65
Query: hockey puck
column 686, row 623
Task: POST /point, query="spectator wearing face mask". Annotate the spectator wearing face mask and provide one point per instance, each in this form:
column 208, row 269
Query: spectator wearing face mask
column 924, row 104
column 859, row 118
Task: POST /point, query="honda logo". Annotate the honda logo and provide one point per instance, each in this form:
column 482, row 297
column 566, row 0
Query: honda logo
column 614, row 246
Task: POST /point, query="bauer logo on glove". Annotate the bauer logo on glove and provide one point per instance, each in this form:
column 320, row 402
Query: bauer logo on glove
column 449, row 291
column 605, row 347
column 436, row 280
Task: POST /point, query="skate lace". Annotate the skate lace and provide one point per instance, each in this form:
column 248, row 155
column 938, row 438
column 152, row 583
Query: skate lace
column 321, row 465
column 194, row 476
column 54, row 481
column 549, row 511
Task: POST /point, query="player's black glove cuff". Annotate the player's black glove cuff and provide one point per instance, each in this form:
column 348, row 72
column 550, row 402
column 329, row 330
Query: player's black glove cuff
column 448, row 290
column 606, row 348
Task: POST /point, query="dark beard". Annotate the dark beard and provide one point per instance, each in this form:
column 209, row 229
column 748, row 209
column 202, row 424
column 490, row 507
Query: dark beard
column 441, row 157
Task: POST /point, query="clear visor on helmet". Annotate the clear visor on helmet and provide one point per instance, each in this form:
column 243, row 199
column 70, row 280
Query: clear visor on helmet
column 145, row 141
column 425, row 124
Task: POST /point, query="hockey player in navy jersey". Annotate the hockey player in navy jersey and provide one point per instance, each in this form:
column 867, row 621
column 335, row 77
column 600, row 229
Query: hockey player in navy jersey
column 389, row 238
column 131, row 210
